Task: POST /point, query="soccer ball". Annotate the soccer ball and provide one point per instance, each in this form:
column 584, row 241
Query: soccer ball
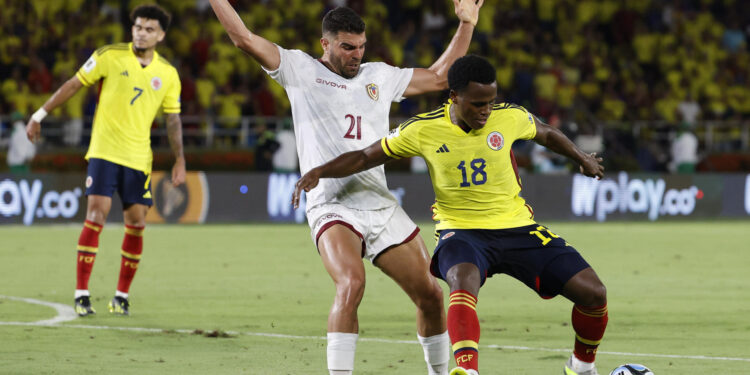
column 631, row 369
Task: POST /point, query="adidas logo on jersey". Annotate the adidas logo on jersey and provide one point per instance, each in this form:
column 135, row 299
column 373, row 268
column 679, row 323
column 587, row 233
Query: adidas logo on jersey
column 124, row 73
column 443, row 148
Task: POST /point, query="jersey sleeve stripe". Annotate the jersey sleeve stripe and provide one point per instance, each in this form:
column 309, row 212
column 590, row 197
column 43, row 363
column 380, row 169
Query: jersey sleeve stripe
column 387, row 149
column 83, row 79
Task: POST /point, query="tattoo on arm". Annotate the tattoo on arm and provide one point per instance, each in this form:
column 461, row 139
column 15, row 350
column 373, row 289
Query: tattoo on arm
column 174, row 132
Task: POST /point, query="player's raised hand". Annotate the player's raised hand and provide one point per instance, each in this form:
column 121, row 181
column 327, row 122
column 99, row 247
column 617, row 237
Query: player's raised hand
column 592, row 167
column 468, row 10
column 33, row 130
column 306, row 183
column 178, row 172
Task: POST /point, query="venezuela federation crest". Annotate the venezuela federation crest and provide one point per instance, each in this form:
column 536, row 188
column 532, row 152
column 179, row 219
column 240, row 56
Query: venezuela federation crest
column 372, row 91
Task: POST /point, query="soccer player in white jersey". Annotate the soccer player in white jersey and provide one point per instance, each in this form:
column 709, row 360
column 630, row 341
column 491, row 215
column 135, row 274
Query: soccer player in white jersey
column 340, row 104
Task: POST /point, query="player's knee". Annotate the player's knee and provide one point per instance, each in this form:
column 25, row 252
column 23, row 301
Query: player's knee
column 96, row 215
column 350, row 289
column 432, row 299
column 597, row 295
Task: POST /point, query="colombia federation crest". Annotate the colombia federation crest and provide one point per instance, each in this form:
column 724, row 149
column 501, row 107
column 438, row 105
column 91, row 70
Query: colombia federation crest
column 495, row 140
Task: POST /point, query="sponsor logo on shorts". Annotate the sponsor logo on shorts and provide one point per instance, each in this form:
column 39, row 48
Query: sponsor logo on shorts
column 89, row 181
column 326, row 218
column 447, row 235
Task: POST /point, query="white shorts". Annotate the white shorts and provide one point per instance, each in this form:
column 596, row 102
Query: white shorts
column 379, row 230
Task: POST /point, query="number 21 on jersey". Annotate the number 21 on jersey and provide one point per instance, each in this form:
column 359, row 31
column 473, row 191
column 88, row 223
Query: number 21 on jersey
column 355, row 127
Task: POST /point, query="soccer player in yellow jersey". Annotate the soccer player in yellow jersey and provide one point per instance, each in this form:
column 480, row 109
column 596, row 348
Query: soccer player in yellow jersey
column 135, row 84
column 484, row 227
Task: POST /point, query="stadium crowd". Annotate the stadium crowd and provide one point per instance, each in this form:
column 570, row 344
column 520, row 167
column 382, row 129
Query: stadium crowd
column 576, row 63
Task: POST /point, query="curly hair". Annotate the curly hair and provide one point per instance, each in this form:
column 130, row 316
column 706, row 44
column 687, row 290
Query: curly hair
column 470, row 68
column 152, row 12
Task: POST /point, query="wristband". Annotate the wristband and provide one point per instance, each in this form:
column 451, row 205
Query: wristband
column 39, row 115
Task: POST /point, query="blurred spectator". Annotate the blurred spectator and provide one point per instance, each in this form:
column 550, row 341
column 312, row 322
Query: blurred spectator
column 601, row 62
column 546, row 161
column 689, row 110
column 20, row 150
column 285, row 157
column 684, row 150
column 265, row 147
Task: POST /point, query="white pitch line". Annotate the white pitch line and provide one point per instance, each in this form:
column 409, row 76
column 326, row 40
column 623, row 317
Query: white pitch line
column 66, row 313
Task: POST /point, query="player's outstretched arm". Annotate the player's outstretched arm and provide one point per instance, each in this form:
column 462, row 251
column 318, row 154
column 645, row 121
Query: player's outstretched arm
column 65, row 92
column 344, row 165
column 555, row 140
column 174, row 132
column 263, row 51
column 435, row 78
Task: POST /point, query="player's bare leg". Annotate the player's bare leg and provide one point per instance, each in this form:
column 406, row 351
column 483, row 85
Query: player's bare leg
column 464, row 280
column 589, row 318
column 408, row 265
column 97, row 209
column 341, row 252
column 134, row 217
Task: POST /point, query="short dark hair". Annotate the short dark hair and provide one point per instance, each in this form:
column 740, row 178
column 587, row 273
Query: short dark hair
column 343, row 19
column 152, row 12
column 470, row 68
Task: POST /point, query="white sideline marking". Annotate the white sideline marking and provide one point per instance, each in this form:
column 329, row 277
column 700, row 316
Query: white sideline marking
column 66, row 313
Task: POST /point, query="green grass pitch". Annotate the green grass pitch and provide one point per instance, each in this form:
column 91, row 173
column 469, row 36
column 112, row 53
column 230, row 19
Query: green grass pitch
column 253, row 299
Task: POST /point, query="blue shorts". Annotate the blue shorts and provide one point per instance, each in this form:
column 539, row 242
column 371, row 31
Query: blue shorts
column 531, row 254
column 104, row 178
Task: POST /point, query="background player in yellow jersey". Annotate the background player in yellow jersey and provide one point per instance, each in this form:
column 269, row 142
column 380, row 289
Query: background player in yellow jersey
column 136, row 83
column 484, row 226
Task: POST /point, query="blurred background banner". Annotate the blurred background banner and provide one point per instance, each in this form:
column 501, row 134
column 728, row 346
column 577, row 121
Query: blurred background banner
column 187, row 203
column 265, row 197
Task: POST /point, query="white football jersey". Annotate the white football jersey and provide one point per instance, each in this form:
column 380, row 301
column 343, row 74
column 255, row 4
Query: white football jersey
column 333, row 115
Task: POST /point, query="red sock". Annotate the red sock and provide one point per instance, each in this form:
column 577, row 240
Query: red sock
column 463, row 329
column 589, row 324
column 88, row 245
column 132, row 246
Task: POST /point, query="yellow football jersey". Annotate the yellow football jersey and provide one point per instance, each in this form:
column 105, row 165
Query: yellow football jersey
column 474, row 174
column 130, row 97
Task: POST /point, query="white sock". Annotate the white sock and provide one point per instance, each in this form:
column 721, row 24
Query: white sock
column 81, row 293
column 579, row 365
column 436, row 353
column 121, row 294
column 341, row 347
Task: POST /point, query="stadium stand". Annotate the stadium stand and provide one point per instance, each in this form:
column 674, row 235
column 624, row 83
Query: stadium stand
column 615, row 75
